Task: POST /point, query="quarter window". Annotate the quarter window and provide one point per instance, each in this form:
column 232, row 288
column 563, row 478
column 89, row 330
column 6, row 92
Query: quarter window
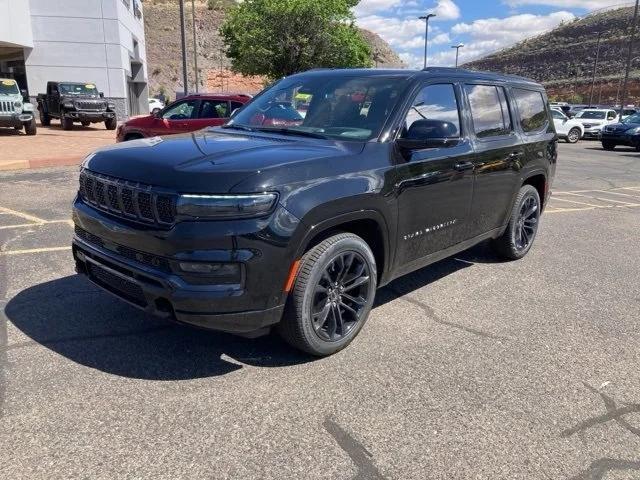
column 489, row 110
column 531, row 108
column 436, row 104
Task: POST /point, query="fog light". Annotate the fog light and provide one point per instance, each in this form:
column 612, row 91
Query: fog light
column 211, row 269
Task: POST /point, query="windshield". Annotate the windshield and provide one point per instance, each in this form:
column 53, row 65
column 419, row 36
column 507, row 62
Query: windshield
column 591, row 114
column 632, row 119
column 9, row 87
column 78, row 89
column 327, row 106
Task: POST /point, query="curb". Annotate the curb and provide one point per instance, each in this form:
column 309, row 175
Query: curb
column 41, row 163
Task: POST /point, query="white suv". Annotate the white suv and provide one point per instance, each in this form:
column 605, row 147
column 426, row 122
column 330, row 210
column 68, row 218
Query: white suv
column 570, row 130
column 595, row 119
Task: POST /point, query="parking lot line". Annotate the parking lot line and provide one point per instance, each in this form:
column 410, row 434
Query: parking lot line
column 579, row 203
column 603, row 199
column 34, row 250
column 25, row 216
column 25, row 225
column 611, row 192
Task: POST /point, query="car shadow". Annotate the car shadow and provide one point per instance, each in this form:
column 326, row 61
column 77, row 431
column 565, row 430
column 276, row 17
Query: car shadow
column 79, row 321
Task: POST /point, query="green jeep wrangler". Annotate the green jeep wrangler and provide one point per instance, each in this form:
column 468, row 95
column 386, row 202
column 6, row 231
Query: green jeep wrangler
column 15, row 111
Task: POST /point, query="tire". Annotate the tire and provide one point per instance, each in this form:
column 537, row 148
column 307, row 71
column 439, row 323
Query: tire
column 111, row 123
column 608, row 145
column 67, row 123
column 573, row 135
column 346, row 260
column 45, row 120
column 30, row 128
column 517, row 239
column 86, row 124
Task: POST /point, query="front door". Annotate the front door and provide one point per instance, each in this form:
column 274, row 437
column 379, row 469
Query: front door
column 177, row 118
column 434, row 185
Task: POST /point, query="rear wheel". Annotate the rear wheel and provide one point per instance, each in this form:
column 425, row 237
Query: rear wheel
column 517, row 239
column 332, row 296
column 574, row 135
column 45, row 120
column 30, row 127
column 111, row 123
column 608, row 145
column 67, row 123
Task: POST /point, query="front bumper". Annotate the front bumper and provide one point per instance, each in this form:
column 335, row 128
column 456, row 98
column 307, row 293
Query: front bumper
column 620, row 138
column 82, row 116
column 15, row 120
column 592, row 133
column 257, row 302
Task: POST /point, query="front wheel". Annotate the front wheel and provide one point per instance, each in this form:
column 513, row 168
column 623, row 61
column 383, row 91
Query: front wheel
column 608, row 145
column 30, row 127
column 111, row 123
column 517, row 239
column 67, row 123
column 574, row 135
column 45, row 119
column 332, row 296
column 85, row 124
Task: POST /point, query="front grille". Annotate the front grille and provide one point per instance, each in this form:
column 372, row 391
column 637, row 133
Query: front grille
column 7, row 106
column 133, row 201
column 92, row 106
column 122, row 287
column 149, row 259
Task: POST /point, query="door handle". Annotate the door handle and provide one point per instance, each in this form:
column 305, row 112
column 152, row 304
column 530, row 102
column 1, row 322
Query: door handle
column 462, row 166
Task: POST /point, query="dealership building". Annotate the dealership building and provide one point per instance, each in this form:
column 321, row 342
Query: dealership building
column 90, row 41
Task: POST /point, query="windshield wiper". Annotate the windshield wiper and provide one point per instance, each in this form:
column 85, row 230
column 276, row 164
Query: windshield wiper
column 289, row 131
column 238, row 127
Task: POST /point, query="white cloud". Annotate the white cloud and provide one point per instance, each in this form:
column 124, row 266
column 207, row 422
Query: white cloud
column 446, row 10
column 370, row 7
column 399, row 33
column 439, row 39
column 490, row 34
column 584, row 4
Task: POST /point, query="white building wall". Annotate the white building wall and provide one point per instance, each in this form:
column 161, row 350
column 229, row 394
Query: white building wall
column 15, row 27
column 85, row 41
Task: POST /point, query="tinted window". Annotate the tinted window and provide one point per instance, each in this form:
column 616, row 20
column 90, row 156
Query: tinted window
column 490, row 114
column 214, row 109
column 437, row 103
column 531, row 107
column 180, row 111
column 235, row 105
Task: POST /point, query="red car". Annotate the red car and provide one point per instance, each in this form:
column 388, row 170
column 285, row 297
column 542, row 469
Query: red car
column 188, row 114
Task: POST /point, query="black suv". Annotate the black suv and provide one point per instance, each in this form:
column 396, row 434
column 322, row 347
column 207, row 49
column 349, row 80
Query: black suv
column 295, row 218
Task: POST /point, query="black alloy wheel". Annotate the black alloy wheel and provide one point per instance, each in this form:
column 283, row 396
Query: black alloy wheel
column 340, row 297
column 527, row 223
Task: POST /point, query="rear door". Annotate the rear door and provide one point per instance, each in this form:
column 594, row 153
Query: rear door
column 211, row 113
column 560, row 122
column 433, row 185
column 498, row 156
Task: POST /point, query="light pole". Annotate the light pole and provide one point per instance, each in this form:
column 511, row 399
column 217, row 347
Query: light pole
column 595, row 67
column 195, row 45
column 183, row 41
column 629, row 56
column 457, row 47
column 426, row 34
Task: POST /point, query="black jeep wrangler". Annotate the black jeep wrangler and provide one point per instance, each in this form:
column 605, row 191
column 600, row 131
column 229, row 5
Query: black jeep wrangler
column 293, row 215
column 75, row 102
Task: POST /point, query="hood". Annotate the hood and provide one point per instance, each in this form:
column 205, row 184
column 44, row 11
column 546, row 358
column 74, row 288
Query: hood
column 211, row 161
column 621, row 127
column 139, row 121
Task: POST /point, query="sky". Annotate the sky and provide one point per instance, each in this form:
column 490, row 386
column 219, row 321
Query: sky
column 483, row 26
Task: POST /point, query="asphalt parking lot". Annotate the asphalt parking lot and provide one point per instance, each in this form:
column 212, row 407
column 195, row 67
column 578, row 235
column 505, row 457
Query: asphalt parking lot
column 470, row 369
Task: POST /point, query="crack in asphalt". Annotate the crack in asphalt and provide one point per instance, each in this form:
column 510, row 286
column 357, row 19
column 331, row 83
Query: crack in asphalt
column 436, row 318
column 613, row 413
column 600, row 468
column 359, row 455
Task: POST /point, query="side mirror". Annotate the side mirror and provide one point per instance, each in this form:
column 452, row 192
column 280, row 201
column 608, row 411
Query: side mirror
column 101, row 94
column 430, row 134
column 25, row 96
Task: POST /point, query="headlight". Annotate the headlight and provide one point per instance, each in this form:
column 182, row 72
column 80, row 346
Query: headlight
column 17, row 104
column 226, row 206
column 111, row 106
column 68, row 105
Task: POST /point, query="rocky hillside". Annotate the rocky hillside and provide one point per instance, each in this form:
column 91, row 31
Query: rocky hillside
column 563, row 59
column 162, row 29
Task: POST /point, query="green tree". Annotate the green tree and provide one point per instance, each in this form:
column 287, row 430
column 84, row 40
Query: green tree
column 277, row 38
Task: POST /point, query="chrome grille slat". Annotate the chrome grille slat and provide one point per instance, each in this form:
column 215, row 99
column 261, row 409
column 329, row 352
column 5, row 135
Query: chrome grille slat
column 7, row 106
column 132, row 201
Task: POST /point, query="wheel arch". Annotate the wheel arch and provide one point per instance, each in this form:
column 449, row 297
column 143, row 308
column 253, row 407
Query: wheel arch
column 367, row 224
column 538, row 180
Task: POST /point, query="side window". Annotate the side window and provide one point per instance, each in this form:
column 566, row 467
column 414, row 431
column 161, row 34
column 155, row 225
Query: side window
column 557, row 115
column 489, row 110
column 180, row 111
column 531, row 108
column 433, row 114
column 235, row 105
column 214, row 109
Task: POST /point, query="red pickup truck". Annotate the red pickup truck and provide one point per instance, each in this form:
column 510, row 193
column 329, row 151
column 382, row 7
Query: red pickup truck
column 188, row 114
